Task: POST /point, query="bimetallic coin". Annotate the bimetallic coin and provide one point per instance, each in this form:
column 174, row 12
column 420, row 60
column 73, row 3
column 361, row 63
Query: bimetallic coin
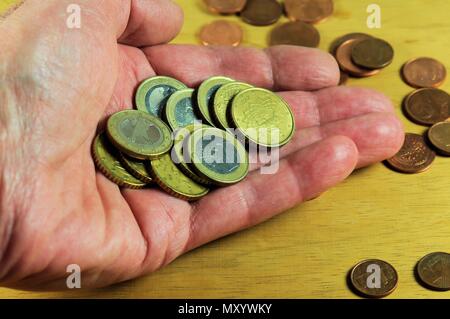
column 135, row 167
column 344, row 58
column 225, row 6
column 218, row 156
column 351, row 36
column 309, row 11
column 414, row 157
column 295, row 33
column 105, row 158
column 222, row 101
column 439, row 136
column 374, row 278
column 221, row 32
column 139, row 135
column 153, row 93
column 424, row 73
column 179, row 111
column 428, row 106
column 173, row 181
column 372, row 53
column 263, row 117
column 205, row 96
column 262, row 12
column 434, row 271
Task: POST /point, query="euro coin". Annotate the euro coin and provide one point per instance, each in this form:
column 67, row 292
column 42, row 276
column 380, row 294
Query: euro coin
column 261, row 12
column 218, row 156
column 424, row 73
column 139, row 135
column 427, row 106
column 373, row 278
column 166, row 174
column 372, row 53
column 344, row 59
column 295, row 33
column 179, row 111
column 205, row 96
column 439, row 136
column 414, row 157
column 222, row 101
column 309, row 11
column 225, row 6
column 106, row 161
column 153, row 93
column 135, row 167
column 433, row 271
column 263, row 117
column 350, row 36
column 221, row 32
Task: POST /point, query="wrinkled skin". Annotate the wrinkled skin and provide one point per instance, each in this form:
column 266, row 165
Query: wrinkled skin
column 58, row 84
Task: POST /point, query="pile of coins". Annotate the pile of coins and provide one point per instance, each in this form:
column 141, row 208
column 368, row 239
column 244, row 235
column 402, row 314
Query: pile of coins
column 299, row 31
column 188, row 141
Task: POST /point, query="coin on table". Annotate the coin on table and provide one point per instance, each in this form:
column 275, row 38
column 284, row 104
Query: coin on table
column 105, row 158
column 295, row 33
column 167, row 175
column 205, row 96
column 372, row 53
column 424, row 73
column 262, row 12
column 263, row 117
column 434, row 271
column 139, row 134
column 218, row 156
column 374, row 278
column 414, row 157
column 343, row 78
column 439, row 136
column 135, row 167
column 225, row 6
column 344, row 59
column 179, row 111
column 221, row 32
column 427, row 106
column 223, row 99
column 153, row 93
column 309, row 11
column 350, row 36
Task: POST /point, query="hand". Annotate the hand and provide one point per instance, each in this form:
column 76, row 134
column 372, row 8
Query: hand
column 57, row 84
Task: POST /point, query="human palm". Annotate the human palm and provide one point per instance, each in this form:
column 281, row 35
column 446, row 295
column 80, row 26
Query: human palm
column 58, row 84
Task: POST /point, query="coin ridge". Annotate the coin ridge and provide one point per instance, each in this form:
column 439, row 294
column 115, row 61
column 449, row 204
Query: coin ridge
column 132, row 171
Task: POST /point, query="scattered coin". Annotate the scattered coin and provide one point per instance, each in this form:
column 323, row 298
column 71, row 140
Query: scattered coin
column 135, row 167
column 414, row 157
column 372, row 53
column 309, row 11
column 205, row 96
column 179, row 111
column 439, row 136
column 434, row 271
column 374, row 278
column 424, row 73
column 428, row 106
column 344, row 58
column 221, row 32
column 263, row 117
column 351, row 36
column 225, row 6
column 261, row 12
column 343, row 79
column 295, row 33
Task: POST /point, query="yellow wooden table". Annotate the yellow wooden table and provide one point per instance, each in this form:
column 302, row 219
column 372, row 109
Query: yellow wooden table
column 306, row 252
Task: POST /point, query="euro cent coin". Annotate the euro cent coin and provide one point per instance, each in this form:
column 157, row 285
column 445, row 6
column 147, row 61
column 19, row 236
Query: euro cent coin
column 428, row 106
column 139, row 135
column 221, row 32
column 309, row 11
column 225, row 6
column 135, row 167
column 350, row 36
column 439, row 136
column 153, row 93
column 262, row 12
column 179, row 111
column 344, row 59
column 424, row 73
column 205, row 96
column 434, row 271
column 295, row 33
column 372, row 53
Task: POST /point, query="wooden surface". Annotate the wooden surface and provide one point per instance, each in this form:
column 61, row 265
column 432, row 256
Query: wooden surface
column 376, row 213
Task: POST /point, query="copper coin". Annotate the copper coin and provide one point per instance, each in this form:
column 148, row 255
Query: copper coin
column 372, row 53
column 439, row 136
column 225, row 6
column 424, row 73
column 343, row 79
column 261, row 12
column 374, row 278
column 221, row 32
column 351, row 36
column 414, row 157
column 434, row 271
column 427, row 106
column 295, row 33
column 309, row 11
column 344, row 58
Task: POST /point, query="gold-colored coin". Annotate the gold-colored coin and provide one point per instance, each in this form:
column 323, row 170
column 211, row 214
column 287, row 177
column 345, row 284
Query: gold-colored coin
column 263, row 117
column 179, row 111
column 105, row 158
column 167, row 175
column 205, row 96
column 434, row 271
column 424, row 73
column 373, row 278
column 135, row 167
column 428, row 106
column 221, row 32
column 309, row 11
column 295, row 33
column 439, row 136
column 372, row 53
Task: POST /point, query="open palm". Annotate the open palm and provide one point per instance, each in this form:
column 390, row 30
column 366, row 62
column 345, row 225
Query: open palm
column 58, row 84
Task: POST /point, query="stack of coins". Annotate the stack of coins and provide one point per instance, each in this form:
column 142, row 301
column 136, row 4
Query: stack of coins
column 188, row 141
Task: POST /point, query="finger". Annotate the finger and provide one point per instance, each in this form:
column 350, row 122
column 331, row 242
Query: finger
column 277, row 68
